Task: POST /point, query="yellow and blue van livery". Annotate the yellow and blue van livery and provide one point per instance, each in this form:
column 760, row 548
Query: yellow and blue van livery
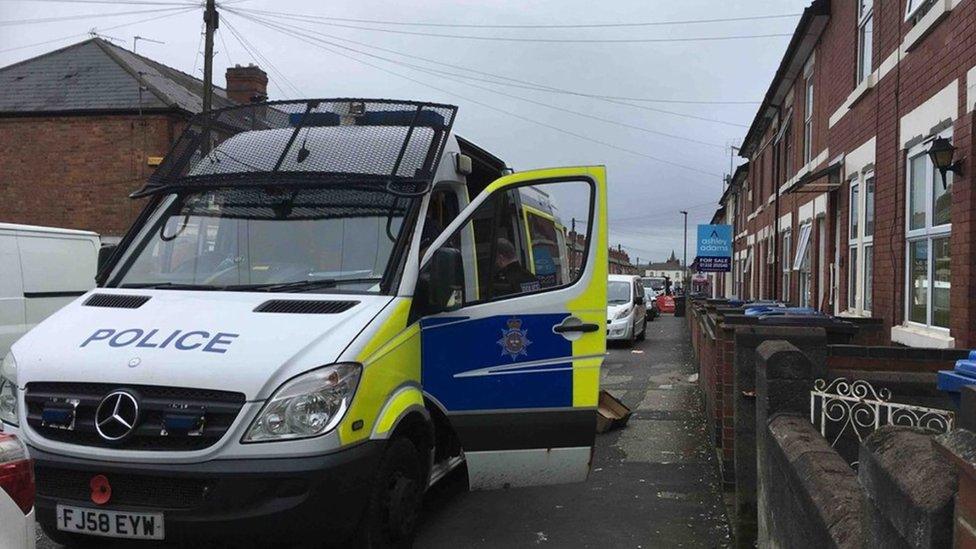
column 325, row 306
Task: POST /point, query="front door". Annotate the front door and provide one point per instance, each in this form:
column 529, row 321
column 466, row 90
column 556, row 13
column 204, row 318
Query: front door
column 515, row 361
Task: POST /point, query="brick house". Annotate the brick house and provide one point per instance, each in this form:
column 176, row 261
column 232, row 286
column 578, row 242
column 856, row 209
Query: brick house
column 620, row 262
column 840, row 206
column 671, row 268
column 83, row 126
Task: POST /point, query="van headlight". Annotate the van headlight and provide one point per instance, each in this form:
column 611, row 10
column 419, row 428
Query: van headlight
column 622, row 314
column 8, row 389
column 308, row 405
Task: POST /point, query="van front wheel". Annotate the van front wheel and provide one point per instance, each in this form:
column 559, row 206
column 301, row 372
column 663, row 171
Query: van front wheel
column 395, row 499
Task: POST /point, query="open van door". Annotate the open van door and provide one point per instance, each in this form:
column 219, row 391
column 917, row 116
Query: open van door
column 513, row 359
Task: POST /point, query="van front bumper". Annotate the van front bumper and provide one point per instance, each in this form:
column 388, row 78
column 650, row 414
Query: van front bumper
column 620, row 329
column 260, row 501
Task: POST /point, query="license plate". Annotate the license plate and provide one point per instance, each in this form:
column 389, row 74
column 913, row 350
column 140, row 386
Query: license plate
column 112, row 524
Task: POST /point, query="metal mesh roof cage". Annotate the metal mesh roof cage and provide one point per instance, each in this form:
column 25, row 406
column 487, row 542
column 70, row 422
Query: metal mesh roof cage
column 397, row 144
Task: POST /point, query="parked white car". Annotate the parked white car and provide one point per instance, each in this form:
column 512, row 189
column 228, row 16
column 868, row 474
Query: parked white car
column 16, row 494
column 626, row 308
column 41, row 270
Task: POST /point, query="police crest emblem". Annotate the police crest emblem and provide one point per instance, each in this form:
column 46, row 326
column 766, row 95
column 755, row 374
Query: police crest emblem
column 514, row 340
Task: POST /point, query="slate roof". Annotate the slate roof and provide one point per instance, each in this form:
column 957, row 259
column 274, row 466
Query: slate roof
column 672, row 264
column 96, row 75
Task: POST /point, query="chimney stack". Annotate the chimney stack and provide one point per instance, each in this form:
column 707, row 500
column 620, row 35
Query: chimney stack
column 247, row 84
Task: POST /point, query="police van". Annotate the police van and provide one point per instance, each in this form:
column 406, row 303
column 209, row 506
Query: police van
column 324, row 307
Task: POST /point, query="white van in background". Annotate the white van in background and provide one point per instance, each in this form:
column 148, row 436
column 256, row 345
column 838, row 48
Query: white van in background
column 41, row 270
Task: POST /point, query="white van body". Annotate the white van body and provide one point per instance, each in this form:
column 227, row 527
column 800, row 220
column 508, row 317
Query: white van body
column 305, row 348
column 626, row 308
column 41, row 270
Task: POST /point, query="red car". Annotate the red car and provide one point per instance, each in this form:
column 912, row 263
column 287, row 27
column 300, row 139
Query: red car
column 16, row 494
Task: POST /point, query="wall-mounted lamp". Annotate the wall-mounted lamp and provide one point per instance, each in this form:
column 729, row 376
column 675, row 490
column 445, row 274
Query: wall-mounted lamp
column 941, row 153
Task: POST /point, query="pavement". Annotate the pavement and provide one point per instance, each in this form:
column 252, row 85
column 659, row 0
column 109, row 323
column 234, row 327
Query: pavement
column 654, row 483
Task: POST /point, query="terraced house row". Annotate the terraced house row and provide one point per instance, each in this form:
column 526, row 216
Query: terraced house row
column 857, row 194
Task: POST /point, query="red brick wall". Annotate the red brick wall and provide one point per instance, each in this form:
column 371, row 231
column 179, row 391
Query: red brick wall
column 946, row 54
column 77, row 171
column 715, row 352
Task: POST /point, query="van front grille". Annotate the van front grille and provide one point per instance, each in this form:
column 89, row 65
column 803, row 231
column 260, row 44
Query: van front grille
column 169, row 418
column 127, row 489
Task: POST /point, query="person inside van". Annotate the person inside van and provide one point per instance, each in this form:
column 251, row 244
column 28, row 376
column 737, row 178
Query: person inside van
column 510, row 276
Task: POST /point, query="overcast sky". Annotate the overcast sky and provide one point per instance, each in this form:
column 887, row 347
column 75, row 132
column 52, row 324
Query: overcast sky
column 645, row 194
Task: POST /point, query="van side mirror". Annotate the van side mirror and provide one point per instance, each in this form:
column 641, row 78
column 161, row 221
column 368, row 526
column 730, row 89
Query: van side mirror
column 445, row 283
column 105, row 254
column 638, row 300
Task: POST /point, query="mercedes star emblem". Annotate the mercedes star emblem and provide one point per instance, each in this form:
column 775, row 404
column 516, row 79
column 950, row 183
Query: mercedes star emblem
column 116, row 415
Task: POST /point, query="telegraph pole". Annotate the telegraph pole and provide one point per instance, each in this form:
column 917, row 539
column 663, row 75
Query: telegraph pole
column 212, row 20
column 685, row 266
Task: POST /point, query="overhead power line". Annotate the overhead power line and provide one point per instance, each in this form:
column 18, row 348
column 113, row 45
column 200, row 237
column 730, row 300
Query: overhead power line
column 242, row 13
column 199, row 50
column 117, row 2
column 312, row 41
column 454, row 77
column 261, row 58
column 533, row 25
column 223, row 43
column 38, row 20
column 80, row 34
column 502, row 80
column 661, row 211
column 543, row 40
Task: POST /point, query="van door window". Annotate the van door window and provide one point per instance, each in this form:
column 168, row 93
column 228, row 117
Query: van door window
column 441, row 210
column 509, row 248
column 548, row 257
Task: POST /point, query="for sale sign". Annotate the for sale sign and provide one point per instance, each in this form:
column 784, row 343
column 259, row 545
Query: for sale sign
column 714, row 248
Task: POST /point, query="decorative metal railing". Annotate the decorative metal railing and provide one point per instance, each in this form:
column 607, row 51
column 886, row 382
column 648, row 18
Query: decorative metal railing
column 856, row 408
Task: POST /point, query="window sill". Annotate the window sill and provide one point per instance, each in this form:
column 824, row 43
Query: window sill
column 851, row 313
column 936, row 13
column 861, row 89
column 920, row 336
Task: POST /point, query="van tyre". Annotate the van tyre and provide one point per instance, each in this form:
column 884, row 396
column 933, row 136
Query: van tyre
column 643, row 333
column 395, row 499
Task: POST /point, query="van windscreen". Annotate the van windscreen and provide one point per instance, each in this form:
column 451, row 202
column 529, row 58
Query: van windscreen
column 271, row 238
column 618, row 292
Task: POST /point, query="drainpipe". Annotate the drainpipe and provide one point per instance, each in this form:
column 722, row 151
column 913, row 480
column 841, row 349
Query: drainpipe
column 776, row 169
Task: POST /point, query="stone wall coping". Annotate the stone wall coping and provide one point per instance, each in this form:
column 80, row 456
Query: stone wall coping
column 832, row 325
column 899, row 353
column 910, row 484
column 909, row 456
column 826, row 480
column 959, row 446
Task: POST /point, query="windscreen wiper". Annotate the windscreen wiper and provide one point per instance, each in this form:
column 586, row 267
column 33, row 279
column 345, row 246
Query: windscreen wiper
column 299, row 285
column 169, row 286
